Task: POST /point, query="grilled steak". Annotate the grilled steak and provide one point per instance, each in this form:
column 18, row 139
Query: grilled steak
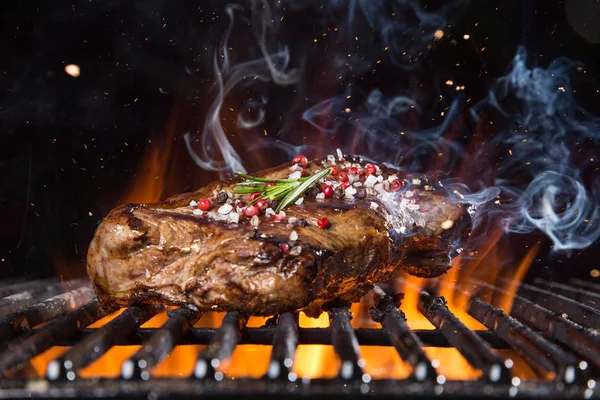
column 379, row 221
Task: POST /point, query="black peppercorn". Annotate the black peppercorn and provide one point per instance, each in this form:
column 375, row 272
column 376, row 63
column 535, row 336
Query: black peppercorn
column 340, row 193
column 222, row 197
column 302, row 222
column 361, row 193
column 273, row 203
column 313, row 191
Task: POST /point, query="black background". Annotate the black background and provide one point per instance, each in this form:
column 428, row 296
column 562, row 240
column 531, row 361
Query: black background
column 70, row 148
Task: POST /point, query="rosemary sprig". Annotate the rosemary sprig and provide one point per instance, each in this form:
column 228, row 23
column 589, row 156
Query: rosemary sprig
column 287, row 191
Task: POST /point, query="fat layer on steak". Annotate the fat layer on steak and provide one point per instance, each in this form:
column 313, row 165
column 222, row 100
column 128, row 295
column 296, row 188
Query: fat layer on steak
column 169, row 253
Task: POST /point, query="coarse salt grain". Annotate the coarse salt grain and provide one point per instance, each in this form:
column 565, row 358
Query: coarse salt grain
column 294, row 236
column 291, row 220
column 374, row 205
column 370, row 181
column 416, row 181
column 380, row 178
column 295, row 175
column 296, row 251
column 254, row 221
column 234, row 217
column 282, row 213
column 198, row 211
column 350, row 191
column 320, row 196
column 225, row 209
column 269, row 211
column 299, row 201
column 331, row 159
column 339, row 153
column 148, row 274
column 193, row 203
column 295, row 167
column 408, row 194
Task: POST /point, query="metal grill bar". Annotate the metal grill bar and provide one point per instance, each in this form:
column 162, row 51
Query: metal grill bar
column 155, row 349
column 19, row 322
column 18, row 301
column 472, row 347
column 575, row 311
column 539, row 352
column 583, row 295
column 345, row 343
column 573, row 335
column 285, row 343
column 23, row 349
column 220, row 347
column 406, row 342
column 94, row 346
column 584, row 284
column 18, row 287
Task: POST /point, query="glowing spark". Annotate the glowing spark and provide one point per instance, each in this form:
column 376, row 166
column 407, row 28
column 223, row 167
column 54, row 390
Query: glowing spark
column 447, row 224
column 449, row 82
column 467, row 37
column 73, row 70
column 438, row 34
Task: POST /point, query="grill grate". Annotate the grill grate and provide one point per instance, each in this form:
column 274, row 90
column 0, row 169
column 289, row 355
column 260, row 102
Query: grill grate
column 35, row 316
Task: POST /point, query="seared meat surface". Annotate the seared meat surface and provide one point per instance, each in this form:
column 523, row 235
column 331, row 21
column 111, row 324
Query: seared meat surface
column 171, row 252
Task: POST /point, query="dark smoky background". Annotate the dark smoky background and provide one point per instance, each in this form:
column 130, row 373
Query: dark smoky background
column 71, row 148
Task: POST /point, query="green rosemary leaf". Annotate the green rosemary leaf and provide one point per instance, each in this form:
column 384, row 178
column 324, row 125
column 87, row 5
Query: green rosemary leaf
column 253, row 178
column 245, row 191
column 293, row 195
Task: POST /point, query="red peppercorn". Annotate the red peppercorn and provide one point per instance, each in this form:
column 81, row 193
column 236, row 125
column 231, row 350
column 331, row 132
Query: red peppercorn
column 342, row 177
column 353, row 170
column 323, row 223
column 345, row 185
column 327, row 190
column 262, row 204
column 370, row 169
column 300, row 160
column 255, row 195
column 204, row 204
column 251, row 211
column 334, row 170
column 270, row 184
column 240, row 204
column 284, row 247
column 395, row 185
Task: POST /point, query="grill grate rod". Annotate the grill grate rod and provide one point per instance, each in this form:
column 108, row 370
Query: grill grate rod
column 220, row 348
column 345, row 343
column 92, row 347
column 478, row 352
column 160, row 344
column 406, row 342
column 573, row 335
column 584, row 284
column 583, row 295
column 534, row 348
column 8, row 289
column 35, row 294
column 17, row 323
column 23, row 349
column 285, row 343
column 576, row 312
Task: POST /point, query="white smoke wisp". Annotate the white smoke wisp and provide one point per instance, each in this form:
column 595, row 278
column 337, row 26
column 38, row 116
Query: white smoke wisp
column 541, row 124
column 212, row 150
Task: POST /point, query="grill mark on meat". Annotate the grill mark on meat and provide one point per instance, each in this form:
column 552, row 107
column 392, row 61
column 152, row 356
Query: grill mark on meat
column 163, row 253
